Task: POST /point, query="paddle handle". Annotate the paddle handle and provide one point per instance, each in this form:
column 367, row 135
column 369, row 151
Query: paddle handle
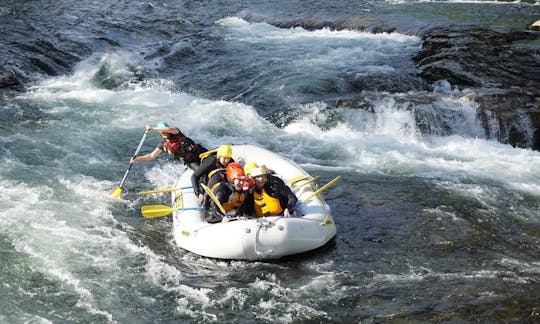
column 134, row 155
column 163, row 190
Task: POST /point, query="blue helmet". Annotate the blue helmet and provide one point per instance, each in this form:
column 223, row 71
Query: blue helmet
column 162, row 124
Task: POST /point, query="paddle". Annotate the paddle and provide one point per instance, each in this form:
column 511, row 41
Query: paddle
column 300, row 185
column 214, row 199
column 318, row 191
column 296, row 179
column 118, row 190
column 152, row 211
column 163, row 190
column 321, row 189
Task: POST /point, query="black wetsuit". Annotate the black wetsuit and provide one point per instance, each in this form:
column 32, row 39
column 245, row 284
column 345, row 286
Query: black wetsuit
column 200, row 175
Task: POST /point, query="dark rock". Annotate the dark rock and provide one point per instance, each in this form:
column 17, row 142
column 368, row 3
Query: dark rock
column 517, row 118
column 8, row 79
column 501, row 69
column 355, row 103
column 370, row 24
column 481, row 58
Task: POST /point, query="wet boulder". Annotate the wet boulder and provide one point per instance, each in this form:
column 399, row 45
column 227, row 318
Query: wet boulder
column 481, row 58
column 501, row 70
column 8, row 79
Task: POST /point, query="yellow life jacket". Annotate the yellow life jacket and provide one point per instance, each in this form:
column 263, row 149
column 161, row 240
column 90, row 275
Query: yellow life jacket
column 236, row 201
column 266, row 205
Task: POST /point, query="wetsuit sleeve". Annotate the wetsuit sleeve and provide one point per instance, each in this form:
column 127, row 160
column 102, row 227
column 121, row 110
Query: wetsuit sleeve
column 222, row 193
column 247, row 207
column 286, row 196
column 202, row 170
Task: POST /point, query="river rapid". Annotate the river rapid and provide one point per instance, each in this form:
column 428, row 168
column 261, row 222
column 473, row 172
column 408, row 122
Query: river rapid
column 432, row 226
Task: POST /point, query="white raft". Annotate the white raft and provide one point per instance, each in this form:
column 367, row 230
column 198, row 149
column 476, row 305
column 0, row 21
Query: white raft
column 256, row 238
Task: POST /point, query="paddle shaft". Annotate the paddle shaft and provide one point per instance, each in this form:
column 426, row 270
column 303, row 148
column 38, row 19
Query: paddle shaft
column 298, row 186
column 321, row 189
column 313, row 194
column 163, row 190
column 214, row 199
column 134, row 155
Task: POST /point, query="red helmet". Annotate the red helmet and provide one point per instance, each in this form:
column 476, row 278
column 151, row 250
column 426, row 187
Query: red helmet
column 235, row 171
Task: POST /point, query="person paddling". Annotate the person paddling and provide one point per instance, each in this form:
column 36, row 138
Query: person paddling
column 176, row 144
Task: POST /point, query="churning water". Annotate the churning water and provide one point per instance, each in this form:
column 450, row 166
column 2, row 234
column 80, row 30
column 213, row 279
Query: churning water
column 436, row 221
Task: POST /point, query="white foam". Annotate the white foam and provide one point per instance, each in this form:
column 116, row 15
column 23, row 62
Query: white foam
column 388, row 140
column 263, row 32
column 320, row 52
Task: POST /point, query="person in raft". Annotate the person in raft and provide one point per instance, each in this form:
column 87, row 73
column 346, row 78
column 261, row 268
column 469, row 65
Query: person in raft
column 232, row 194
column 211, row 170
column 270, row 195
column 176, row 144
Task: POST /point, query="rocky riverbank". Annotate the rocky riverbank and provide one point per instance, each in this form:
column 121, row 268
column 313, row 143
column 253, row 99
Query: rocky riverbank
column 502, row 69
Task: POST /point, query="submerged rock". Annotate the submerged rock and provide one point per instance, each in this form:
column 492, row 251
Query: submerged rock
column 8, row 79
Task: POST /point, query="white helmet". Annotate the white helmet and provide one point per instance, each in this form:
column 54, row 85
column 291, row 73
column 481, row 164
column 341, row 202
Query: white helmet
column 255, row 172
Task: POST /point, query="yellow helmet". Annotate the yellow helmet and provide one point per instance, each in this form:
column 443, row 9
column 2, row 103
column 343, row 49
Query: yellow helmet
column 258, row 171
column 250, row 165
column 225, row 151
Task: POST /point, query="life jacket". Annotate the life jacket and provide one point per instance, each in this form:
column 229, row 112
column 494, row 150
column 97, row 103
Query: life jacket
column 236, row 199
column 266, row 205
column 180, row 146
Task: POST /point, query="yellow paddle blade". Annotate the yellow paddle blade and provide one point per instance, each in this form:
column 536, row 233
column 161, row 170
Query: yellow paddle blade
column 152, row 211
column 321, row 189
column 117, row 192
column 214, row 198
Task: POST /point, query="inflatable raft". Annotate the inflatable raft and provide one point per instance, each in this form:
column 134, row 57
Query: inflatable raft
column 255, row 238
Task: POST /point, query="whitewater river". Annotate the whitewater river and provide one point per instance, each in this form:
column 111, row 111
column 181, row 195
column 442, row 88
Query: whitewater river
column 431, row 228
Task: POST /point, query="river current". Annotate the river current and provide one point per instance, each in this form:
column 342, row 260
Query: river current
column 432, row 226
